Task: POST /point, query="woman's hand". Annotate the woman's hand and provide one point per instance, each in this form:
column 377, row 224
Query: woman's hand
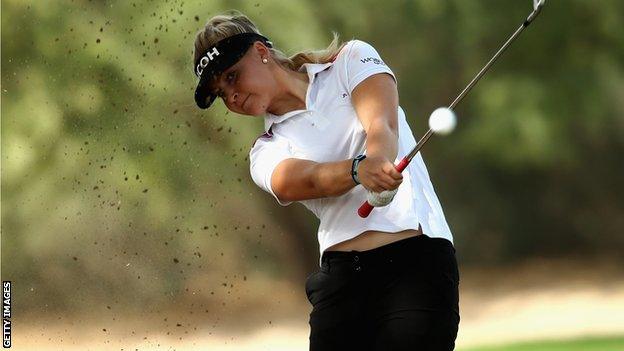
column 381, row 199
column 377, row 173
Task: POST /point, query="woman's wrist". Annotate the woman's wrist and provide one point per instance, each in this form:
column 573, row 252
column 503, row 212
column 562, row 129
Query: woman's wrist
column 354, row 168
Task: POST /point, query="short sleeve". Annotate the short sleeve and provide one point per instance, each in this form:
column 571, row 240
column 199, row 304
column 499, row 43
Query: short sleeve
column 363, row 61
column 266, row 153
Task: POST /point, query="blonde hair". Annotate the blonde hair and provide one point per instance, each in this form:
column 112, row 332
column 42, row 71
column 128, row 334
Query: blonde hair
column 234, row 22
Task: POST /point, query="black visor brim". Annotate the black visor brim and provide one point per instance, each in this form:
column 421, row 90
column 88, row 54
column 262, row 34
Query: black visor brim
column 204, row 97
column 222, row 56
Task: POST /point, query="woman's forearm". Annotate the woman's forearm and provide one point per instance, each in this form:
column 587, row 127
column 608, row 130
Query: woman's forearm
column 382, row 140
column 334, row 178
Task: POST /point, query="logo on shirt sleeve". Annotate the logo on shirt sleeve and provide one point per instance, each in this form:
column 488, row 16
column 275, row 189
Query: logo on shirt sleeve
column 374, row 60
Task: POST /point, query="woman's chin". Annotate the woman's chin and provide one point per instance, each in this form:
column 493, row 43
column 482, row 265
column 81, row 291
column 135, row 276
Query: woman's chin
column 255, row 110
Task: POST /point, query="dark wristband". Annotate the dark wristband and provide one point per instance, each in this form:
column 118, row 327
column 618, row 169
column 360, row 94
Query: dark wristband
column 354, row 168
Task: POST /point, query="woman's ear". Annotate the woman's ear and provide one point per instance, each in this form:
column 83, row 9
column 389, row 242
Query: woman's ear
column 261, row 49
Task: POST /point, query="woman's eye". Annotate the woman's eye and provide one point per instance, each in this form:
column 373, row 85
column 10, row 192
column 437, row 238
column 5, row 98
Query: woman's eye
column 230, row 77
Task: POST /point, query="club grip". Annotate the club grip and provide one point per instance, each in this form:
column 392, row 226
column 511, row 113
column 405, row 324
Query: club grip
column 402, row 165
column 366, row 208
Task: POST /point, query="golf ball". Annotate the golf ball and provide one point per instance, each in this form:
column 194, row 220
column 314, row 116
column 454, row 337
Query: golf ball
column 442, row 121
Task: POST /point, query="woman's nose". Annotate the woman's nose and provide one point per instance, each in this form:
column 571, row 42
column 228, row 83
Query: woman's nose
column 233, row 97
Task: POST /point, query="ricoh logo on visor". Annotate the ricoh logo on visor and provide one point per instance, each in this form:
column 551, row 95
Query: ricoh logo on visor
column 206, row 59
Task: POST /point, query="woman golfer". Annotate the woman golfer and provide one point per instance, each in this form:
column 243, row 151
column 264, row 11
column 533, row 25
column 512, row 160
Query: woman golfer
column 333, row 131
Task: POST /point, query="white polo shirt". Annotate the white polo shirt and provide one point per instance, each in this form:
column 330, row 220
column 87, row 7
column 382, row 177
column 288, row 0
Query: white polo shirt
column 329, row 130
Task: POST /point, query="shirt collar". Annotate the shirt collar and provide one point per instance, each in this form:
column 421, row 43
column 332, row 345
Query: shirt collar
column 311, row 69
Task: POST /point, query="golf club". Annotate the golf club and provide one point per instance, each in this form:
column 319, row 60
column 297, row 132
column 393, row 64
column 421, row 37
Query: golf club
column 366, row 208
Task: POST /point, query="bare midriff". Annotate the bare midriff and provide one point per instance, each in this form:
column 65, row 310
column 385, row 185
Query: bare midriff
column 371, row 239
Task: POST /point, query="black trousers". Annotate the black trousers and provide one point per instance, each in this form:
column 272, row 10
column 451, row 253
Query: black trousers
column 400, row 296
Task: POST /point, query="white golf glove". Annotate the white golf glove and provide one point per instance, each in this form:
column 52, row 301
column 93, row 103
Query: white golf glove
column 381, row 199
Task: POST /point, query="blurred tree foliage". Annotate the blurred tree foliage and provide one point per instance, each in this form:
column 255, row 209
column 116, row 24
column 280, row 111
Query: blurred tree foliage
column 115, row 184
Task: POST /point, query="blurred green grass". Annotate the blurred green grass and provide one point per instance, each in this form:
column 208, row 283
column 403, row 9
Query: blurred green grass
column 615, row 343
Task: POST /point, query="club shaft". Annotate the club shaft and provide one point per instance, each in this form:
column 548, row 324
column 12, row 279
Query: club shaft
column 366, row 207
column 474, row 81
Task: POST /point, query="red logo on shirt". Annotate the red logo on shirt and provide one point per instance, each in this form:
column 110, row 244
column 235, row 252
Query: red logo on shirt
column 268, row 135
